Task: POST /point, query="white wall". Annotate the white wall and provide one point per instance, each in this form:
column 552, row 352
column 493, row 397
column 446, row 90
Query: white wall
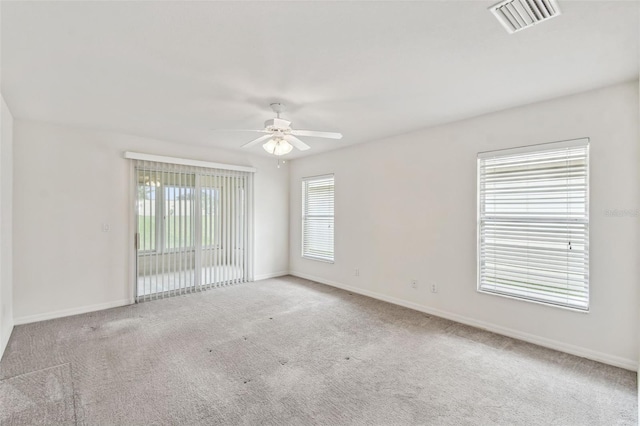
column 69, row 181
column 406, row 209
column 6, row 191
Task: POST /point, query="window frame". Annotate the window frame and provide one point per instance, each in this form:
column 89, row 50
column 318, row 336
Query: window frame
column 537, row 148
column 217, row 214
column 165, row 223
column 305, row 216
column 156, row 247
column 161, row 220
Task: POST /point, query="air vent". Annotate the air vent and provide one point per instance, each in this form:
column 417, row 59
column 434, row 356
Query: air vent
column 516, row 15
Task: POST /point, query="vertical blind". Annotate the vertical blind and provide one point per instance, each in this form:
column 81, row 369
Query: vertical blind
column 193, row 228
column 318, row 218
column 533, row 213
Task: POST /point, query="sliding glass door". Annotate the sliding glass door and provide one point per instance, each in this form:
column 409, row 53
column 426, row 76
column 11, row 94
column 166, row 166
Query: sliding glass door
column 193, row 229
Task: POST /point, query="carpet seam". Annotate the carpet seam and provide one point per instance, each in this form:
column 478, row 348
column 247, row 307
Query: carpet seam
column 36, row 371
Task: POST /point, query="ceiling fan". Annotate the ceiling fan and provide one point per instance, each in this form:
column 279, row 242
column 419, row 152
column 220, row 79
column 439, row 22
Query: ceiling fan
column 280, row 138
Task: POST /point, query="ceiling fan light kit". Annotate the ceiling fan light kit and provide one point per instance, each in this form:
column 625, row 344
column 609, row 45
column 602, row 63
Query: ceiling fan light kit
column 277, row 146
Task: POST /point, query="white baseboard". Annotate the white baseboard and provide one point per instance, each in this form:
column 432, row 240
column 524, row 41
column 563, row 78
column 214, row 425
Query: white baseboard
column 270, row 275
column 27, row 319
column 5, row 337
column 614, row 360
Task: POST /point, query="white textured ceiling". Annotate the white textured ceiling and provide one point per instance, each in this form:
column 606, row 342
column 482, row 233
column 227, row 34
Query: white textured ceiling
column 175, row 70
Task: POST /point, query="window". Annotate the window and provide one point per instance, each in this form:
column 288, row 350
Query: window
column 533, row 223
column 178, row 213
column 211, row 206
column 209, row 203
column 175, row 195
column 147, row 202
column 317, row 218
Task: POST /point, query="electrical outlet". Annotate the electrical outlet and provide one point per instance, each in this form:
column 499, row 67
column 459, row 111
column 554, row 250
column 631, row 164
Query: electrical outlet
column 106, row 227
column 434, row 288
column 414, row 283
column 356, row 272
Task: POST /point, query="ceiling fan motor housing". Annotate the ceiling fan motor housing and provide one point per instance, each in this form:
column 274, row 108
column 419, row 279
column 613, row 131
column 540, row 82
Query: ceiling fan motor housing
column 277, row 123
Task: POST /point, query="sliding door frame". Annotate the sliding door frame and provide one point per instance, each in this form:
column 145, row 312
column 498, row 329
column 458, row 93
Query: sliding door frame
column 132, row 235
column 133, row 239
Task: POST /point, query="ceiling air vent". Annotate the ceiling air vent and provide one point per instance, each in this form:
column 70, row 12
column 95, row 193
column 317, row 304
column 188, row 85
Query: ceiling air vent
column 516, row 15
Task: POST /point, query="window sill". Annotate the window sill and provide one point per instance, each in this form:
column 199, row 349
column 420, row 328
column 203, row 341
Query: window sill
column 318, row 259
column 537, row 302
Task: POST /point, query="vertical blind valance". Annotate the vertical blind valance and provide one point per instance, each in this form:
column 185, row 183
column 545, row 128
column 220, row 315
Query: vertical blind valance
column 533, row 214
column 318, row 218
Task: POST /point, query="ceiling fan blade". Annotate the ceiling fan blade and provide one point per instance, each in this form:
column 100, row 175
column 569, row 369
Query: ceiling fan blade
column 239, row 130
column 313, row 133
column 296, row 142
column 256, row 141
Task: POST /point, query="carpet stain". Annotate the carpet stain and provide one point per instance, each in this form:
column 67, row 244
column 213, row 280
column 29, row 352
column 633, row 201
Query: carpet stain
column 42, row 397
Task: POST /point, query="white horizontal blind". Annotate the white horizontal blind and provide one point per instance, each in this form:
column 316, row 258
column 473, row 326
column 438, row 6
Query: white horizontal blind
column 533, row 211
column 193, row 228
column 318, row 218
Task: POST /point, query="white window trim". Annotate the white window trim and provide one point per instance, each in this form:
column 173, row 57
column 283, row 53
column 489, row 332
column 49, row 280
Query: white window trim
column 585, row 141
column 534, row 148
column 304, row 256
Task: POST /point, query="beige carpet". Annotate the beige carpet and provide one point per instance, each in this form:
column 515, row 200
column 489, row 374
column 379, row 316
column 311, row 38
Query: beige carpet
column 288, row 351
column 45, row 396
